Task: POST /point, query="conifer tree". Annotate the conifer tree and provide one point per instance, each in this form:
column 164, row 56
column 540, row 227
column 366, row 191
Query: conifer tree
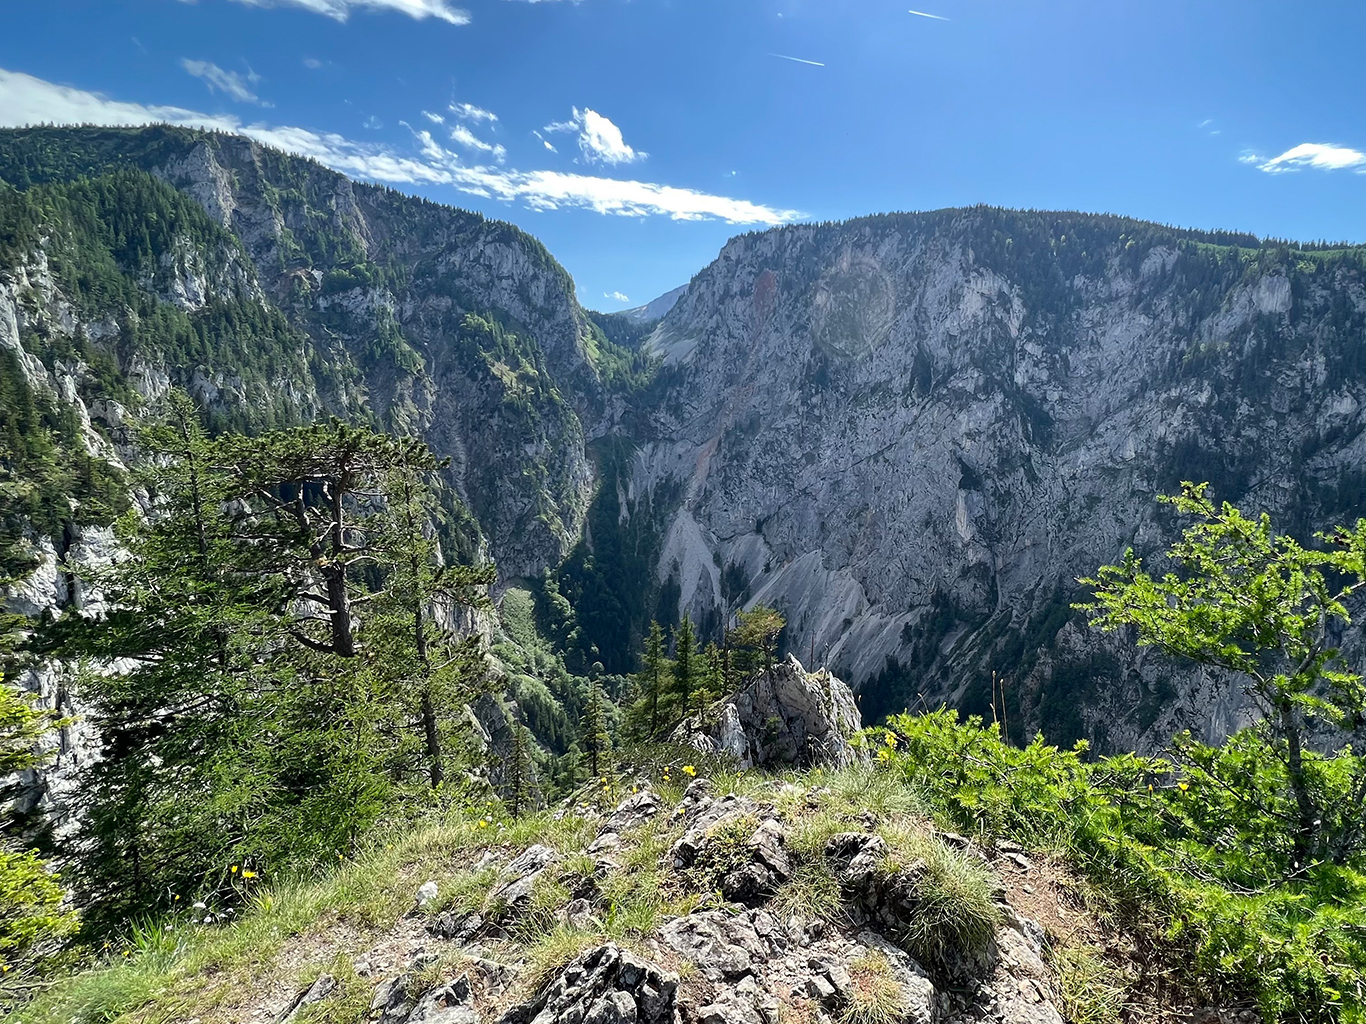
column 755, row 637
column 713, row 674
column 434, row 672
column 519, row 771
column 596, row 741
column 650, row 682
column 255, row 714
column 685, row 667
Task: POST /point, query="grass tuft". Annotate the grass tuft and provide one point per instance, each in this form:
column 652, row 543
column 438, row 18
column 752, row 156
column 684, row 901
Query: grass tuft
column 950, row 891
column 875, row 997
column 1090, row 991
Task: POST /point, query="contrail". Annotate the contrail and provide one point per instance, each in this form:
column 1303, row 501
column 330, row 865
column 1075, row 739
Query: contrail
column 783, row 56
column 922, row 14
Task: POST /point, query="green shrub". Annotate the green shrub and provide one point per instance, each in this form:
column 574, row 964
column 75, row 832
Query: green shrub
column 1157, row 852
column 32, row 916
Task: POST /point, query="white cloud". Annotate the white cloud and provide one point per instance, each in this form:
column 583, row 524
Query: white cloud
column 25, row 100
column 922, row 14
column 469, row 112
column 312, row 63
column 434, row 118
column 341, row 9
column 616, row 297
column 462, row 136
column 230, row 83
column 545, row 142
column 373, row 123
column 599, row 138
column 1319, row 156
column 798, row 60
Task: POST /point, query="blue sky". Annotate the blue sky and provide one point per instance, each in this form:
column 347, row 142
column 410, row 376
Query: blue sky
column 678, row 123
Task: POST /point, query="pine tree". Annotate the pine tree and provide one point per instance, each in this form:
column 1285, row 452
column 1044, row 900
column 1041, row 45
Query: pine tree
column 596, row 741
column 713, row 674
column 519, row 771
column 255, row 714
column 755, row 638
column 685, row 668
column 645, row 716
column 434, row 672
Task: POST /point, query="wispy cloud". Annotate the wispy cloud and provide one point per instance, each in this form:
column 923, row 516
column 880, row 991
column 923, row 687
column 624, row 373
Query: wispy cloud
column 434, row 118
column 922, row 14
column 462, row 136
column 1319, row 156
column 599, row 139
column 616, row 297
column 545, row 142
column 341, row 9
column 373, row 123
column 230, row 83
column 26, row 100
column 797, row 60
column 469, row 112
column 312, row 63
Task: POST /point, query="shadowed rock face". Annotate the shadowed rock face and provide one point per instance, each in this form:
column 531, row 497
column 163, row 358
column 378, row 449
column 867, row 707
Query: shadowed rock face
column 912, row 434
column 785, row 717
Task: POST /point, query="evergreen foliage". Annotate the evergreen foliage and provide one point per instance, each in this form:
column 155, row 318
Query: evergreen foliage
column 32, row 916
column 597, row 743
column 685, row 669
column 755, row 640
column 253, row 714
column 648, row 714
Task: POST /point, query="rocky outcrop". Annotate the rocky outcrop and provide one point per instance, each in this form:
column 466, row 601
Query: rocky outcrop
column 606, row 985
column 784, row 717
column 761, row 963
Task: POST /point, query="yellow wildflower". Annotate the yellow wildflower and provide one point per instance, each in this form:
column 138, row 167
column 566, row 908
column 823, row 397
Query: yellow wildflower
column 1182, row 786
column 234, row 869
column 689, row 770
column 245, row 874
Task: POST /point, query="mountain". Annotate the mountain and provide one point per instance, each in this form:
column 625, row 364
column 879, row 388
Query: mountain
column 913, row 433
column 657, row 308
column 910, row 433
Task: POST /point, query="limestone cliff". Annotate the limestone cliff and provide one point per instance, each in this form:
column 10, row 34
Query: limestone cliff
column 913, row 433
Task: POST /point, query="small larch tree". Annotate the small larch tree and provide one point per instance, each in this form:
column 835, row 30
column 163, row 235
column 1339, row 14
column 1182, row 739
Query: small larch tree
column 755, row 636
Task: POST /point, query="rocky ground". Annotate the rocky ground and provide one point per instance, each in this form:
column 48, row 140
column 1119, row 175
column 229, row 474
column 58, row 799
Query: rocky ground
column 745, row 936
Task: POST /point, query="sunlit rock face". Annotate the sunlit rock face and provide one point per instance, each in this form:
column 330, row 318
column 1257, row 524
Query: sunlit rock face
column 912, row 434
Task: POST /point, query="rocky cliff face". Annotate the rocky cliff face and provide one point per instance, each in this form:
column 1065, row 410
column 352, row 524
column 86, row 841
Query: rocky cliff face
column 274, row 291
column 912, row 434
column 432, row 320
column 909, row 433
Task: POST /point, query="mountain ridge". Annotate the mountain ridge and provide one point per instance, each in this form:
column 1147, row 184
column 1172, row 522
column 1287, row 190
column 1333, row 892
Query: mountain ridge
column 890, row 427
